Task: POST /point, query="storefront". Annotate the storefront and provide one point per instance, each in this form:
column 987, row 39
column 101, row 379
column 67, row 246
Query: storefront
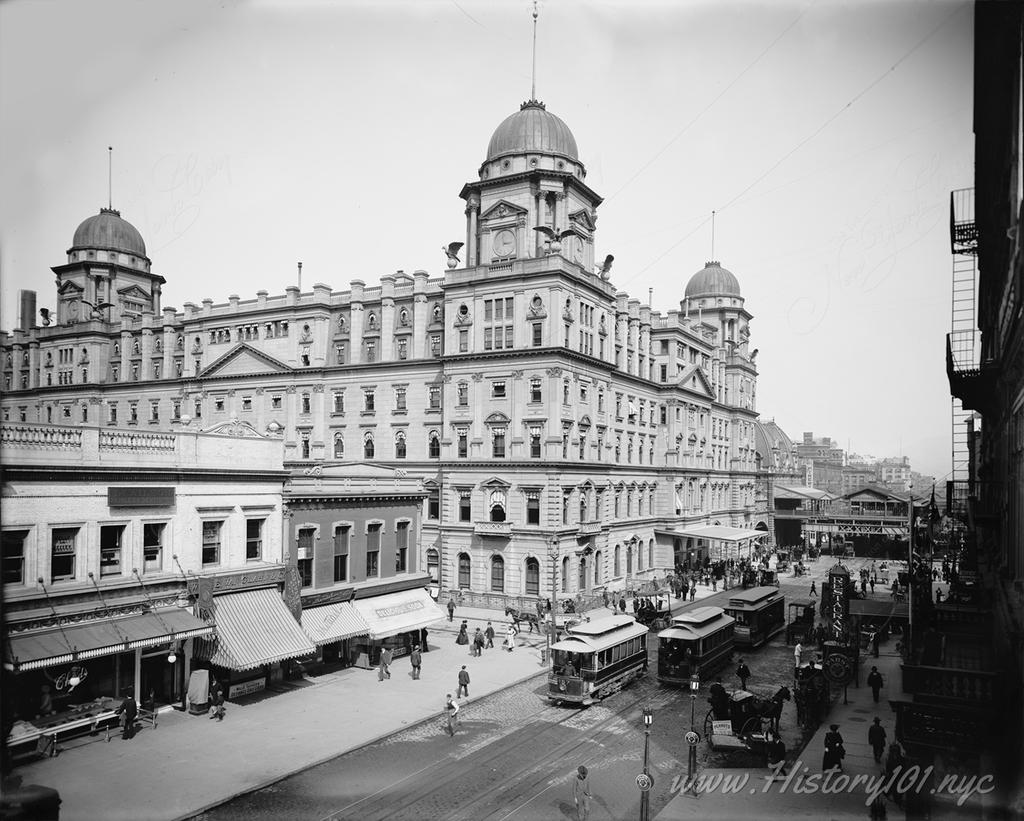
column 395, row 621
column 68, row 675
column 334, row 628
column 255, row 633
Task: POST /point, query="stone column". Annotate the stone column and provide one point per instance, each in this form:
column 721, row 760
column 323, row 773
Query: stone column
column 387, row 319
column 356, row 336
column 420, row 316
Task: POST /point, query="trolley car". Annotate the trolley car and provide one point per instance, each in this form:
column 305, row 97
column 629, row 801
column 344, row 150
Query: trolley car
column 698, row 642
column 760, row 613
column 596, row 659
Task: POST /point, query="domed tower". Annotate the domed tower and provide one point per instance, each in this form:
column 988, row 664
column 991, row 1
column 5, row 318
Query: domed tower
column 713, row 295
column 107, row 274
column 532, row 178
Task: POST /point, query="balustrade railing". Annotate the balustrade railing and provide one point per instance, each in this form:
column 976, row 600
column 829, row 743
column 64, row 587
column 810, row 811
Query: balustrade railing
column 13, row 435
column 951, row 683
column 137, row 441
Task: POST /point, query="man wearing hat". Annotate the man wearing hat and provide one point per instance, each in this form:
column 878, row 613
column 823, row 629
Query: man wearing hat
column 876, row 738
column 581, row 793
column 834, row 750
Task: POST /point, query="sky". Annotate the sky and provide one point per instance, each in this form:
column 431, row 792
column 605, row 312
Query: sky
column 825, row 136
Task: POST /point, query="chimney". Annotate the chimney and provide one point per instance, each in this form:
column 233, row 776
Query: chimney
column 27, row 301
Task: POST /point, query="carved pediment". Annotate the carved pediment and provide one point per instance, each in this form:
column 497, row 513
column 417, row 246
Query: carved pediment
column 583, row 219
column 502, row 210
column 693, row 379
column 234, row 427
column 133, row 292
column 497, row 418
column 244, row 360
column 495, row 482
column 69, row 287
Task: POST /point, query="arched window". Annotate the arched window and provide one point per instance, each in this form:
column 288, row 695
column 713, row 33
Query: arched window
column 532, row 577
column 650, row 553
column 434, row 446
column 433, row 564
column 368, row 449
column 497, row 505
column 617, row 567
column 339, row 446
column 565, row 575
column 583, row 574
column 497, row 574
column 597, row 567
column 463, row 571
column 371, row 321
column 629, row 559
column 400, row 445
column 639, row 557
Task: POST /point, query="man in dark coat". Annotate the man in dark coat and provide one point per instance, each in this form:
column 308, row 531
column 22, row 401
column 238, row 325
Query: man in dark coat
column 451, row 609
column 463, row 683
column 416, row 657
column 130, row 709
column 744, row 673
column 834, row 750
column 876, row 738
column 875, row 682
column 719, row 700
column 489, row 635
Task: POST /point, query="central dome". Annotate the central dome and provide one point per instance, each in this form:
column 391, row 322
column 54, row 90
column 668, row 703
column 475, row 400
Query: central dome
column 713, row 280
column 532, row 129
column 108, row 231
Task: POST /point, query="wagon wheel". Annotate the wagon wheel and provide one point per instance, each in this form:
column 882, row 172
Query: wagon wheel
column 754, row 724
column 708, row 725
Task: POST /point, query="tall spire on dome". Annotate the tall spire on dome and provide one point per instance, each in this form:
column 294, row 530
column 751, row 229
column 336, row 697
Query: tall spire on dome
column 533, row 76
column 110, row 177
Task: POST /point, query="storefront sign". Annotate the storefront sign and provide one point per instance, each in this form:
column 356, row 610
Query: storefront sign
column 246, row 687
column 398, row 609
column 839, row 606
column 140, row 496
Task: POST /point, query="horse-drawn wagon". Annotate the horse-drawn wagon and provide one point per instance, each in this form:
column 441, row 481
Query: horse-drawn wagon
column 744, row 721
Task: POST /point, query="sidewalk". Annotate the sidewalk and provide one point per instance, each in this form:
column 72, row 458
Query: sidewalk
column 189, row 763
column 759, row 799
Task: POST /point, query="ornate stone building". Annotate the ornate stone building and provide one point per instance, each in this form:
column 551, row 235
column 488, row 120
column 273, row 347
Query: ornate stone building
column 555, row 422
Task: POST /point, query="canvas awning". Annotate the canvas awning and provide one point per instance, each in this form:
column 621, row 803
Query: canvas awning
column 254, row 628
column 395, row 613
column 722, row 533
column 333, row 622
column 103, row 637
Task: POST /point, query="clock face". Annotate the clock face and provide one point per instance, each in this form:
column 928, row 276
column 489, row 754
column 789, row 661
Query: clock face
column 577, row 250
column 504, row 243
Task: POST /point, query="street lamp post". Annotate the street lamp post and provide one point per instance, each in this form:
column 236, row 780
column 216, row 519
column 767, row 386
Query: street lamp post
column 553, row 633
column 645, row 795
column 691, row 769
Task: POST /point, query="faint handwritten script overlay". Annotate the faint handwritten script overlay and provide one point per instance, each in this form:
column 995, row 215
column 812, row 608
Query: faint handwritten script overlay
column 181, row 182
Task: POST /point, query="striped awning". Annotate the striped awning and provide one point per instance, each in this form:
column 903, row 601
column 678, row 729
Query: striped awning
column 395, row 613
column 253, row 628
column 103, row 637
column 333, row 622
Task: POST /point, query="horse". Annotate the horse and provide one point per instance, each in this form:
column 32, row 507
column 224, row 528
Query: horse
column 517, row 616
column 771, row 709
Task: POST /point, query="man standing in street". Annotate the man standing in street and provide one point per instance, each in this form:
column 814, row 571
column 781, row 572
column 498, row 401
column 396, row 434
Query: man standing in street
column 797, row 655
column 478, row 642
column 417, row 660
column 814, row 590
column 876, row 738
column 581, row 793
column 489, row 635
column 451, row 609
column 451, row 712
column 875, row 682
column 744, row 673
column 463, row 683
column 130, row 709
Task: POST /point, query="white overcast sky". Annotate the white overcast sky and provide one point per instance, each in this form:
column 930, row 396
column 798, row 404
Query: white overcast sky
column 251, row 135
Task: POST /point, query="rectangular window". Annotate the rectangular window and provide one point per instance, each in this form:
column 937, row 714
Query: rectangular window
column 342, row 538
column 538, row 334
column 535, row 444
column 463, row 341
column 247, row 403
column 403, row 348
column 112, row 413
column 434, row 505
column 533, row 508
column 110, row 549
column 465, row 507
column 463, row 394
column 63, row 547
column 401, row 547
column 498, row 390
column 369, row 402
column 371, row 350
column 339, row 402
column 154, row 411
column 254, row 540
column 535, row 391
column 218, row 405
column 133, row 413
column 14, row 556
column 372, row 550
column 305, row 568
column 488, row 336
column 339, row 354
column 463, row 444
column 434, row 392
column 435, row 344
column 211, row 542
column 153, row 545
column 498, row 448
column 400, row 399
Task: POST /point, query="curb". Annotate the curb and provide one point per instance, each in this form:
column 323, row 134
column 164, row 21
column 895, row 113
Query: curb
column 269, row 782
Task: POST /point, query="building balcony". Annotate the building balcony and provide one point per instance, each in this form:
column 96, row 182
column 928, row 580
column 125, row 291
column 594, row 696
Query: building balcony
column 589, row 528
column 500, row 530
column 971, row 380
column 951, row 685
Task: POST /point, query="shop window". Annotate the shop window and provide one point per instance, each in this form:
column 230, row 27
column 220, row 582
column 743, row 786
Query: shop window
column 497, row 574
column 464, row 571
column 63, row 550
column 111, row 537
column 13, row 567
column 401, row 547
column 373, row 549
column 254, row 540
column 211, row 542
column 153, row 545
column 532, row 577
column 433, row 565
column 342, row 541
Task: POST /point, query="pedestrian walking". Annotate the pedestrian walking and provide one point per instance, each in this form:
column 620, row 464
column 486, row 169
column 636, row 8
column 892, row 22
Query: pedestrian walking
column 876, row 738
column 510, row 638
column 416, row 657
column 875, row 682
column 451, row 714
column 581, row 793
column 451, row 609
column 604, row 597
column 217, row 700
column 871, row 584
column 383, row 669
column 693, row 591
column 798, row 655
column 489, row 634
column 834, row 750
column 814, row 589
column 622, row 604
column 463, row 637
column 463, row 683
column 743, row 672
column 130, row 710
column 478, row 642
column 876, row 637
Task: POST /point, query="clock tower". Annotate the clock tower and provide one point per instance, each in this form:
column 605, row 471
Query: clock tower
column 531, row 199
